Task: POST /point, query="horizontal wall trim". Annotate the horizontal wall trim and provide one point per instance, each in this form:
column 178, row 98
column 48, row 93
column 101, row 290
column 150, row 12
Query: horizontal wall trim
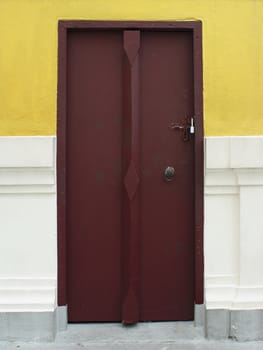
column 228, row 181
column 224, row 292
column 221, row 190
column 27, row 295
column 222, row 279
column 27, row 176
column 26, row 151
column 32, row 189
column 220, row 177
column 249, row 177
column 27, row 164
column 234, row 152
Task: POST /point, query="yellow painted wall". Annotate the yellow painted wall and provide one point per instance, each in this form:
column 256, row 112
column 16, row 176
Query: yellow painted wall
column 233, row 58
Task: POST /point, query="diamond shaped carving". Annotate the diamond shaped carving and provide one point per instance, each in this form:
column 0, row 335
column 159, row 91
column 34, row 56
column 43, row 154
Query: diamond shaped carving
column 131, row 181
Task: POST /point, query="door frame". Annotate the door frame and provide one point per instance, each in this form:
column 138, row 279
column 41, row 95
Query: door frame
column 64, row 26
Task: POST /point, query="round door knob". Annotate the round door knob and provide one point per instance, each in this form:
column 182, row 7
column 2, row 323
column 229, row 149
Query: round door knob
column 169, row 173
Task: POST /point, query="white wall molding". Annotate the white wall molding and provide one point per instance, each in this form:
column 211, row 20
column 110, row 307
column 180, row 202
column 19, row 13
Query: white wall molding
column 222, row 279
column 234, row 222
column 224, row 292
column 221, row 181
column 228, row 152
column 27, row 151
column 221, row 190
column 27, row 164
column 220, row 177
column 28, row 225
column 249, row 177
column 246, row 152
column 27, row 294
column 248, row 298
column 220, row 291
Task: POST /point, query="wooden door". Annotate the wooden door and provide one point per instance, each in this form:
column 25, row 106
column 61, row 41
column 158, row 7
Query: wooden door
column 130, row 227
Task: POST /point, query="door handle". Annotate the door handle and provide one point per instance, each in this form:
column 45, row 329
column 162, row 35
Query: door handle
column 169, row 173
column 187, row 128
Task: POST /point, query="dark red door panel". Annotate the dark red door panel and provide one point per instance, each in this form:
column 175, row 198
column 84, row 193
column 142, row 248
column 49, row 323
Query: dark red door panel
column 94, row 181
column 130, row 233
column 167, row 208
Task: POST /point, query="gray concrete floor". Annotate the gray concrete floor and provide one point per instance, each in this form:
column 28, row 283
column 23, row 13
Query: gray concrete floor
column 143, row 336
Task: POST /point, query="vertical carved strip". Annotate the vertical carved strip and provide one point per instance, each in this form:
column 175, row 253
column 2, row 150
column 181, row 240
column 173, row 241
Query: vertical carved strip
column 130, row 305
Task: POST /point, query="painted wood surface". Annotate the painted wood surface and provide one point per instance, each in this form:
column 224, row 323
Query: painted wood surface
column 149, row 264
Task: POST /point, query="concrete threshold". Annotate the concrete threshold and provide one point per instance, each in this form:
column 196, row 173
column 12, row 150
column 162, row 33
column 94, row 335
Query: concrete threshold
column 143, row 336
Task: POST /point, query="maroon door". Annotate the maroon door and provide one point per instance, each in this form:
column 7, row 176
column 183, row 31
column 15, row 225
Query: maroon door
column 130, row 176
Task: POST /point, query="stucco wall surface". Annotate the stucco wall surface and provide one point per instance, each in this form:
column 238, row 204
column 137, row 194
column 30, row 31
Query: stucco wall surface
column 233, row 58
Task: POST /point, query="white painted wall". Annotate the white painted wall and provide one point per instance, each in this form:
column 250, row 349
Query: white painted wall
column 28, row 232
column 233, row 223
